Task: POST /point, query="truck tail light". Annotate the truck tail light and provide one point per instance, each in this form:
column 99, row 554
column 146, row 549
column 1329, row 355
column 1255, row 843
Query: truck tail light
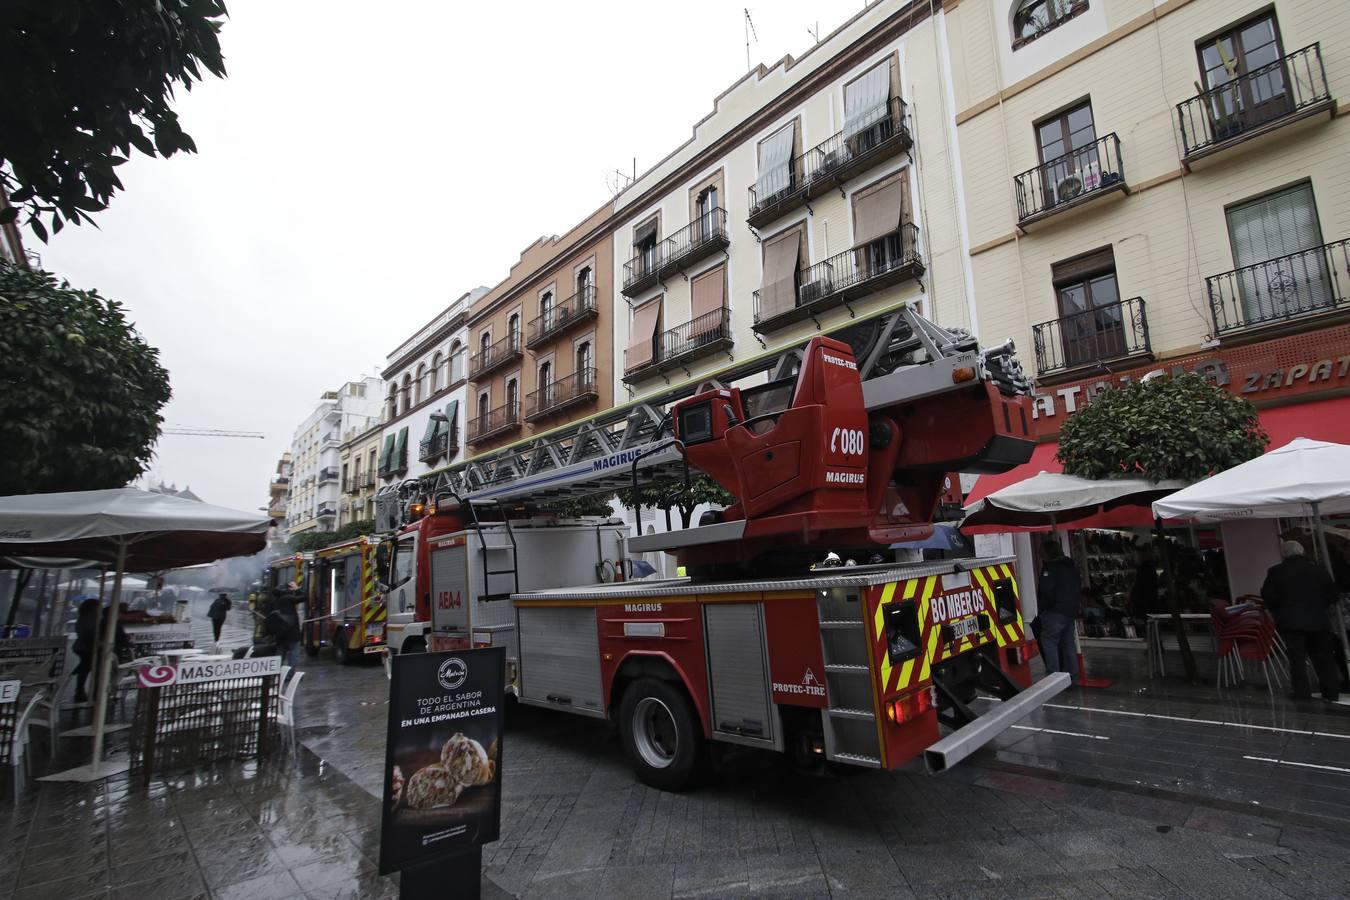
column 907, row 709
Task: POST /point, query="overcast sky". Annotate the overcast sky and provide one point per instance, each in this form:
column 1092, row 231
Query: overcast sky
column 357, row 172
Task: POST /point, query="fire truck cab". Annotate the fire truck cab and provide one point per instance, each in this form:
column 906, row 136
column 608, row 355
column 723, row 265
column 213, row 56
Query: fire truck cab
column 346, row 608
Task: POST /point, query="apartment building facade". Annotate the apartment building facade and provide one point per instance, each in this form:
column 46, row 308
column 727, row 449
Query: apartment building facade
column 315, row 486
column 1162, row 186
column 425, row 382
column 818, row 192
column 278, row 490
column 541, row 341
column 358, row 457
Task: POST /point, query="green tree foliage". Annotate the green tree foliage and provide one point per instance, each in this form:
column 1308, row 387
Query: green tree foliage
column 673, row 494
column 307, row 541
column 1177, row 427
column 80, row 389
column 84, row 84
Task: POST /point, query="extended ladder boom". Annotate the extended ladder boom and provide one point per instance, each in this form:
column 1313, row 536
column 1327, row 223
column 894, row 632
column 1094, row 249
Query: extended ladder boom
column 901, row 356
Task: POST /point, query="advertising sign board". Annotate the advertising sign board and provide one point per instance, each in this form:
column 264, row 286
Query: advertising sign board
column 442, row 787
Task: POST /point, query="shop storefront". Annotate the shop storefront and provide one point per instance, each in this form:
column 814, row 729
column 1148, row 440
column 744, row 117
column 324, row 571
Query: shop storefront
column 1300, row 385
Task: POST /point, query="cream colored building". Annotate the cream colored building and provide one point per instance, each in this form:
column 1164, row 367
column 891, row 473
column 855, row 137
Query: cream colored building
column 358, row 457
column 1153, row 183
column 817, row 191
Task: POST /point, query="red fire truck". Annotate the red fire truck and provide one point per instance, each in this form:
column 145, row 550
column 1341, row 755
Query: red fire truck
column 845, row 446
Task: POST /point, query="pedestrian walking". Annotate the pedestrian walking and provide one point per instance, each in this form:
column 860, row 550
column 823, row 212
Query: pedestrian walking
column 1059, row 599
column 220, row 608
column 1300, row 593
column 283, row 626
column 87, row 644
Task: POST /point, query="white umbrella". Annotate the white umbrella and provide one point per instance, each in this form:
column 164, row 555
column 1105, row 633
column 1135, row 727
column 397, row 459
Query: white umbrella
column 1302, row 478
column 132, row 530
column 1052, row 498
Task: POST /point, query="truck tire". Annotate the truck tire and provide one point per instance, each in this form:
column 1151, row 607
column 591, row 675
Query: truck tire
column 413, row 645
column 661, row 734
column 342, row 654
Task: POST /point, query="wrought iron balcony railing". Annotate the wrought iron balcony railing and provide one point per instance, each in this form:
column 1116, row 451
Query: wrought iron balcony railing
column 434, row 447
column 498, row 421
column 1312, row 281
column 1262, row 97
column 496, row 354
column 368, row 479
column 554, row 321
column 328, row 475
column 881, row 134
column 1112, row 331
column 552, row 397
column 350, row 484
column 326, row 509
column 777, row 192
column 847, row 276
column 705, row 235
column 1067, row 180
column 698, row 337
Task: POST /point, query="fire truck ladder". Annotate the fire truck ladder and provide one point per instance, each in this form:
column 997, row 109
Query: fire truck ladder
column 901, row 357
column 514, row 571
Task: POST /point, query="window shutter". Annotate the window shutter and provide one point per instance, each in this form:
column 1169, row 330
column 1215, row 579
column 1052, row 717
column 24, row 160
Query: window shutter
column 865, row 99
column 778, row 292
column 1080, row 267
column 878, row 212
column 452, row 419
column 400, row 460
column 386, row 453
column 775, row 163
column 709, row 299
column 640, row 342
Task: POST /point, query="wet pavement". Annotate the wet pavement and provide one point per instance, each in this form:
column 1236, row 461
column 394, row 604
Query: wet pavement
column 1146, row 789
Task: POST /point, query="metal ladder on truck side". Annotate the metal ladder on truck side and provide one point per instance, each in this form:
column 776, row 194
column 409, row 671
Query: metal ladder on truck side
column 513, row 571
column 850, row 724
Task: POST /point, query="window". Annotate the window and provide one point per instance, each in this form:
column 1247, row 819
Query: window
column 1270, row 235
column 483, row 400
column 646, row 325
column 545, row 385
column 1089, row 308
column 456, row 363
column 879, row 211
column 420, row 389
column 707, row 212
column 406, row 401
column 776, row 172
column 1067, row 144
column 512, row 397
column 484, row 342
column 546, row 310
column 781, row 282
column 436, row 374
column 585, row 361
column 585, row 280
column 1240, row 71
column 644, row 246
column 513, row 329
column 1033, row 18
column 866, row 104
column 391, row 408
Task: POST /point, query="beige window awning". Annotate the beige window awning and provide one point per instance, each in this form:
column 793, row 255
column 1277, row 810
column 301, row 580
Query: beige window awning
column 878, row 212
column 778, row 292
column 865, row 99
column 709, row 299
column 641, row 341
column 775, row 163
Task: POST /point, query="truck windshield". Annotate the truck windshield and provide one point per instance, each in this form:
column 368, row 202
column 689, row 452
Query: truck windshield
column 404, row 557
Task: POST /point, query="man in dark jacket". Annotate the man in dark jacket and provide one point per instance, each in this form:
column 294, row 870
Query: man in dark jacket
column 1300, row 592
column 283, row 625
column 220, row 608
column 1059, row 599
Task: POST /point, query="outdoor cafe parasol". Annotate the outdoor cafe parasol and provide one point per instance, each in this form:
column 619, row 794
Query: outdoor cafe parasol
column 128, row 530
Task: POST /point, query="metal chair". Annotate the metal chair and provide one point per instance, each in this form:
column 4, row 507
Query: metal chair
column 19, row 741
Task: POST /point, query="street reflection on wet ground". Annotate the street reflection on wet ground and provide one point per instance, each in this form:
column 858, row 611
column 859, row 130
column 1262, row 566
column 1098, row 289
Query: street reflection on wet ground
column 1145, row 789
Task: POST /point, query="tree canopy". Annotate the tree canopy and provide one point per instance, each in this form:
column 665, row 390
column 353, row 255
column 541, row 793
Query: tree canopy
column 306, row 541
column 1173, row 427
column 80, row 389
column 84, row 84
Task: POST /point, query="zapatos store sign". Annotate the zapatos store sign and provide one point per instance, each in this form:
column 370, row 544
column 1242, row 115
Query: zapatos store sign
column 1298, row 365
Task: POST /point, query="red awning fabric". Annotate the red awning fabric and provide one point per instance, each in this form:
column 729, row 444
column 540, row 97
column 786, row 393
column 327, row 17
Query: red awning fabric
column 1323, row 420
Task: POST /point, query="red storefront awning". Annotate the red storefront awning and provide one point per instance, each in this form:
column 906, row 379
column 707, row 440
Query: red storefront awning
column 1323, row 420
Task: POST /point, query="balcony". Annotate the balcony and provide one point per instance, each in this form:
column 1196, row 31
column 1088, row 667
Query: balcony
column 495, row 355
column 502, row 420
column 1286, row 289
column 368, row 480
column 559, row 395
column 829, row 164
column 578, row 308
column 326, row 475
column 326, row 509
column 351, row 484
column 702, row 237
column 1065, row 182
column 847, row 277
column 434, row 448
column 1280, row 93
column 1113, row 331
column 707, row 334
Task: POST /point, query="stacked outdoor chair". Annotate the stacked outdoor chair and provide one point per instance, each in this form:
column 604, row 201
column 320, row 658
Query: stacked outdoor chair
column 1246, row 633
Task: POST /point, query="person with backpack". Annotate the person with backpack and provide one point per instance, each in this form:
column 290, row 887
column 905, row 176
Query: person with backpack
column 220, row 608
column 283, row 626
column 1059, row 597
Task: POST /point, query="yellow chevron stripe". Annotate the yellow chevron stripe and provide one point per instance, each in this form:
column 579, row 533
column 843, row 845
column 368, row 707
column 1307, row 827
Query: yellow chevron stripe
column 880, row 632
column 981, row 577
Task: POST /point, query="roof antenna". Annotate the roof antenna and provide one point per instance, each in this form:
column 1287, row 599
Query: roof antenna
column 749, row 30
column 815, row 33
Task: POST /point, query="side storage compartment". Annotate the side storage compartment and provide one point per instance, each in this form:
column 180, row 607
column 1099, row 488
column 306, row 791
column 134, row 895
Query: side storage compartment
column 560, row 658
column 738, row 674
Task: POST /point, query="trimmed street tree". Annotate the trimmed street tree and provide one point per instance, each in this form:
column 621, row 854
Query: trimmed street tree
column 80, row 389
column 84, row 84
column 1171, row 427
column 307, row 541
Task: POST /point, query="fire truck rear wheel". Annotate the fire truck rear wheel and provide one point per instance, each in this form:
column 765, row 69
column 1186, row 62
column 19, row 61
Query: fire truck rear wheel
column 661, row 734
column 342, row 654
